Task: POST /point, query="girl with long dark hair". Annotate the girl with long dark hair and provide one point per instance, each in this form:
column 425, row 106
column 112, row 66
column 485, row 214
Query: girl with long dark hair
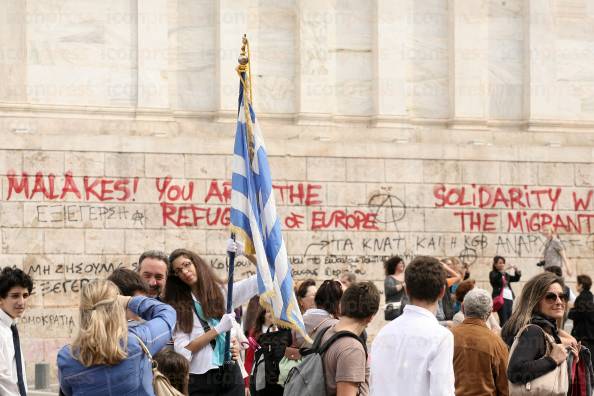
column 199, row 298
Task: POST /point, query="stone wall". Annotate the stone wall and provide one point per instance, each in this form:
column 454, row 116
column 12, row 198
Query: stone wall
column 413, row 127
column 69, row 217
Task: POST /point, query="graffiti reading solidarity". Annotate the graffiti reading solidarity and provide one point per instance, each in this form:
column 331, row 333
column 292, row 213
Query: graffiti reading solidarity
column 516, row 209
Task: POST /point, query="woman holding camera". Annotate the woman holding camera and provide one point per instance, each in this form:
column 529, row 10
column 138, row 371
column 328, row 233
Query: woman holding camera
column 199, row 298
column 106, row 357
column 537, row 345
column 500, row 281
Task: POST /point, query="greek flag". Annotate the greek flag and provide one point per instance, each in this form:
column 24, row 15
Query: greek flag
column 254, row 219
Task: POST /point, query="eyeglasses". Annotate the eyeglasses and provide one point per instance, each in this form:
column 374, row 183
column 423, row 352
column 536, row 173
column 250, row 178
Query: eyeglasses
column 184, row 267
column 551, row 297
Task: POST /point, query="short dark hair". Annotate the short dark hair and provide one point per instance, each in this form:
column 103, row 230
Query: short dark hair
column 391, row 264
column 425, row 278
column 129, row 282
column 585, row 281
column 328, row 296
column 154, row 254
column 496, row 259
column 175, row 367
column 11, row 277
column 360, row 301
column 555, row 269
column 463, row 288
column 303, row 286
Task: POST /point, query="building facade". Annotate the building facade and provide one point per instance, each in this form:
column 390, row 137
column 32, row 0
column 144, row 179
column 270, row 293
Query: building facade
column 440, row 127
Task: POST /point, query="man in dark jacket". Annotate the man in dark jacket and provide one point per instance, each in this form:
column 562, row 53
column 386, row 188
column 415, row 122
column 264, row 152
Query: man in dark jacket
column 582, row 313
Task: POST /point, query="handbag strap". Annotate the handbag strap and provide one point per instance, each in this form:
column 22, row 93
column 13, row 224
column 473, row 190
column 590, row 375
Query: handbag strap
column 503, row 284
column 145, row 349
column 549, row 340
column 156, row 373
column 205, row 326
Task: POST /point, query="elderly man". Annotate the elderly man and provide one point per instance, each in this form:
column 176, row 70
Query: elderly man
column 480, row 357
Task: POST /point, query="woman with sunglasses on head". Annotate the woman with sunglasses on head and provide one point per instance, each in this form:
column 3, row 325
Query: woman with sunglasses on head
column 199, row 298
column 534, row 322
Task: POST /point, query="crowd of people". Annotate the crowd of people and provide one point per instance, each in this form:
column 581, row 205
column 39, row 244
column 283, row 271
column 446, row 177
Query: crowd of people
column 442, row 335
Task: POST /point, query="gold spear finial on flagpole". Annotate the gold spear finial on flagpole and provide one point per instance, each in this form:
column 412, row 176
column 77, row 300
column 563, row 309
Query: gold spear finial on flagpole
column 244, row 67
column 245, row 76
column 243, row 57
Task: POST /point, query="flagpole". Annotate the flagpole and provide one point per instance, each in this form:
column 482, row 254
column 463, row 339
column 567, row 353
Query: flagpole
column 243, row 67
column 230, row 301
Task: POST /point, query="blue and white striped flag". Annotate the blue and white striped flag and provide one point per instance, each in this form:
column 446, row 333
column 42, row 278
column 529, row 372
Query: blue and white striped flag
column 254, row 219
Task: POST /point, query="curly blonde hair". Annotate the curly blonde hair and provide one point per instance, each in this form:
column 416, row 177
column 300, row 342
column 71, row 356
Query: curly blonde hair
column 103, row 332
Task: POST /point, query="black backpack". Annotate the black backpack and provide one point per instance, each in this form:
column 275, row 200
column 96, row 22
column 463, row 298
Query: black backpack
column 265, row 371
column 309, row 378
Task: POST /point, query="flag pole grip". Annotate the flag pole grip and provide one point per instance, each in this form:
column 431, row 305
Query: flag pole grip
column 229, row 300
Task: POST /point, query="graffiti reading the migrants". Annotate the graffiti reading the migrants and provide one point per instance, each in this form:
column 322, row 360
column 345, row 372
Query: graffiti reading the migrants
column 516, row 209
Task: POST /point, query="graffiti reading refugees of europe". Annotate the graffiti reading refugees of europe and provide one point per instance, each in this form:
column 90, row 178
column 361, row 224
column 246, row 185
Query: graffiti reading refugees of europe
column 515, row 209
column 181, row 202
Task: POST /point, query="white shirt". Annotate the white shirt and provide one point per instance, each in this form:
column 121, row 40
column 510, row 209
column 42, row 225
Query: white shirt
column 507, row 293
column 201, row 361
column 8, row 371
column 572, row 296
column 413, row 356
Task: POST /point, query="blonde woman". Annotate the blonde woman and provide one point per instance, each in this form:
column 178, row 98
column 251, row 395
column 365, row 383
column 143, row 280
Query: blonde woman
column 106, row 357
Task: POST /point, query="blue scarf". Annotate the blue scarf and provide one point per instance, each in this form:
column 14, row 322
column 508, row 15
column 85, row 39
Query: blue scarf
column 218, row 352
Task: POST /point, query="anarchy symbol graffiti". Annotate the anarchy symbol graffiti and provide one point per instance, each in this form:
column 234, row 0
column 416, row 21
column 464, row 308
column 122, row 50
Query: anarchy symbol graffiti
column 388, row 208
column 468, row 256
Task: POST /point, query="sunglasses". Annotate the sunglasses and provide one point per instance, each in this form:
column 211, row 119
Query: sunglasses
column 551, row 297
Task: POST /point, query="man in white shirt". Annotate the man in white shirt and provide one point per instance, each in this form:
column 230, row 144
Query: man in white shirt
column 413, row 355
column 15, row 288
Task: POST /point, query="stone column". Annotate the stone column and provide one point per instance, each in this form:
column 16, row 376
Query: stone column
column 232, row 17
column 541, row 101
column 316, row 57
column 429, row 62
column 390, row 56
column 505, row 63
column 469, row 26
column 13, row 51
column 153, row 46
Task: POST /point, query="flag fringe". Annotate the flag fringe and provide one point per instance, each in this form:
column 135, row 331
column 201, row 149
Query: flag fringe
column 279, row 322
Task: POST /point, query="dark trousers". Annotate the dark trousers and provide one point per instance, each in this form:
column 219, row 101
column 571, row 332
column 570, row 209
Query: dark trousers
column 505, row 311
column 217, row 383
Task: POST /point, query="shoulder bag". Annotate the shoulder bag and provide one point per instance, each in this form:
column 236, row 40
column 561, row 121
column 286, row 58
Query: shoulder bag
column 499, row 301
column 553, row 383
column 392, row 310
column 161, row 384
